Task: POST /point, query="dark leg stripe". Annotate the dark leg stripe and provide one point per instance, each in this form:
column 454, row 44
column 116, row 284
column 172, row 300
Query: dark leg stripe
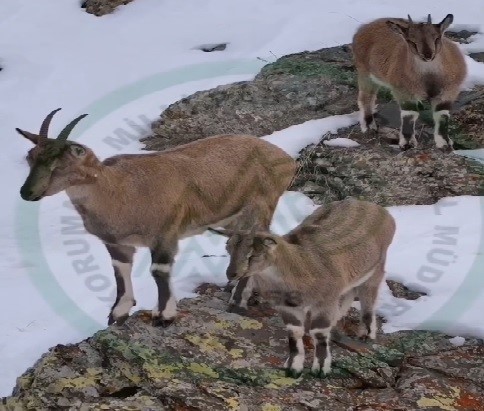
column 120, row 286
column 369, row 119
column 163, row 291
column 293, row 351
column 444, row 127
column 320, row 322
column 408, row 126
column 411, row 106
column 290, row 319
column 321, row 347
column 367, row 319
column 446, row 105
column 239, row 289
column 118, row 254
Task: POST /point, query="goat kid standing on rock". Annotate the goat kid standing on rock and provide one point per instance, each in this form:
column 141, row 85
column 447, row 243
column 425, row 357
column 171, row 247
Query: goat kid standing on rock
column 313, row 273
column 155, row 199
column 417, row 63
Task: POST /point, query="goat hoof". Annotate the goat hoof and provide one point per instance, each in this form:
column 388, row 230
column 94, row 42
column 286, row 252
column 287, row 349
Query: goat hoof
column 121, row 320
column 291, row 373
column 118, row 321
column 237, row 310
column 405, row 147
column 316, row 372
column 161, row 322
column 447, row 149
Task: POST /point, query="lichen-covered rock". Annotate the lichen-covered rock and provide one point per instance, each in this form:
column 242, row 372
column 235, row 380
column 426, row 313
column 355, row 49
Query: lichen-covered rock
column 102, row 7
column 378, row 172
column 294, row 89
column 213, row 360
column 306, row 86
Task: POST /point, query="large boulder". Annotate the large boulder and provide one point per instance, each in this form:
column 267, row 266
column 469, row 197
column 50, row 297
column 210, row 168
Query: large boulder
column 210, row 359
column 313, row 85
column 294, row 89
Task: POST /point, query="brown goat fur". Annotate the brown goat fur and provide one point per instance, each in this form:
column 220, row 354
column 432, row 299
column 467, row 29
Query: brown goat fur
column 317, row 269
column 417, row 63
column 153, row 200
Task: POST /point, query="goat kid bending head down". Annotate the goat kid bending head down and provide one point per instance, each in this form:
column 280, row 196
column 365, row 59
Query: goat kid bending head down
column 313, row 273
column 417, row 63
column 155, row 199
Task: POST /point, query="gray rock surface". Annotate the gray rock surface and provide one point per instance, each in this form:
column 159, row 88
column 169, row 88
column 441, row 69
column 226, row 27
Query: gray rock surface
column 102, row 7
column 214, row 360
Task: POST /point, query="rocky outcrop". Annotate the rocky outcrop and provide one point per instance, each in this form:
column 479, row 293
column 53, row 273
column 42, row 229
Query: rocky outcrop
column 292, row 90
column 307, row 86
column 214, row 360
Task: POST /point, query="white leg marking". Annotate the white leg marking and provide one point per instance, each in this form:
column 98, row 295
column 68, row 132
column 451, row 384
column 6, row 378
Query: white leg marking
column 327, row 361
column 170, row 310
column 246, row 293
column 160, row 267
column 440, row 141
column 126, row 302
column 372, row 334
column 362, row 117
column 298, row 334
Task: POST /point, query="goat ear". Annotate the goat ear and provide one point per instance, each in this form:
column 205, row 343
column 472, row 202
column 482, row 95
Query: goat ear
column 397, row 28
column 34, row 138
column 445, row 23
column 220, row 231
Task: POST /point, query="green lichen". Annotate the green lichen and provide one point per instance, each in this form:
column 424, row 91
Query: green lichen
column 271, row 407
column 311, row 69
column 207, row 343
column 236, row 353
column 250, row 324
column 203, row 369
column 160, row 371
column 60, row 384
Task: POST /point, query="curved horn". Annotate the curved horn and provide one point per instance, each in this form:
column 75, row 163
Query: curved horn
column 67, row 129
column 44, row 128
column 429, row 19
column 410, row 19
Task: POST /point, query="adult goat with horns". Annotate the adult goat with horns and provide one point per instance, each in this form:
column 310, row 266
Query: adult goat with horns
column 417, row 63
column 153, row 200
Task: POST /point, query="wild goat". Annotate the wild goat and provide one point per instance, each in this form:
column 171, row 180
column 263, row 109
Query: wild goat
column 153, row 200
column 313, row 273
column 417, row 63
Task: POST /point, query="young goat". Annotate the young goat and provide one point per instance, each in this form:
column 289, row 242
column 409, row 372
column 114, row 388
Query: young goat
column 153, row 200
column 316, row 270
column 417, row 63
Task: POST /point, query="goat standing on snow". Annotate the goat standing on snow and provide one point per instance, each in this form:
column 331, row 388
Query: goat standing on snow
column 154, row 199
column 417, row 63
column 316, row 270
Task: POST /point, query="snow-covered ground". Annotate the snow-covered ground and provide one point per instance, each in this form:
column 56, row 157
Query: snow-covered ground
column 123, row 69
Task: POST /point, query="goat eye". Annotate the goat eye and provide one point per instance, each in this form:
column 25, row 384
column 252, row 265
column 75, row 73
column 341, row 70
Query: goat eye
column 78, row 151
